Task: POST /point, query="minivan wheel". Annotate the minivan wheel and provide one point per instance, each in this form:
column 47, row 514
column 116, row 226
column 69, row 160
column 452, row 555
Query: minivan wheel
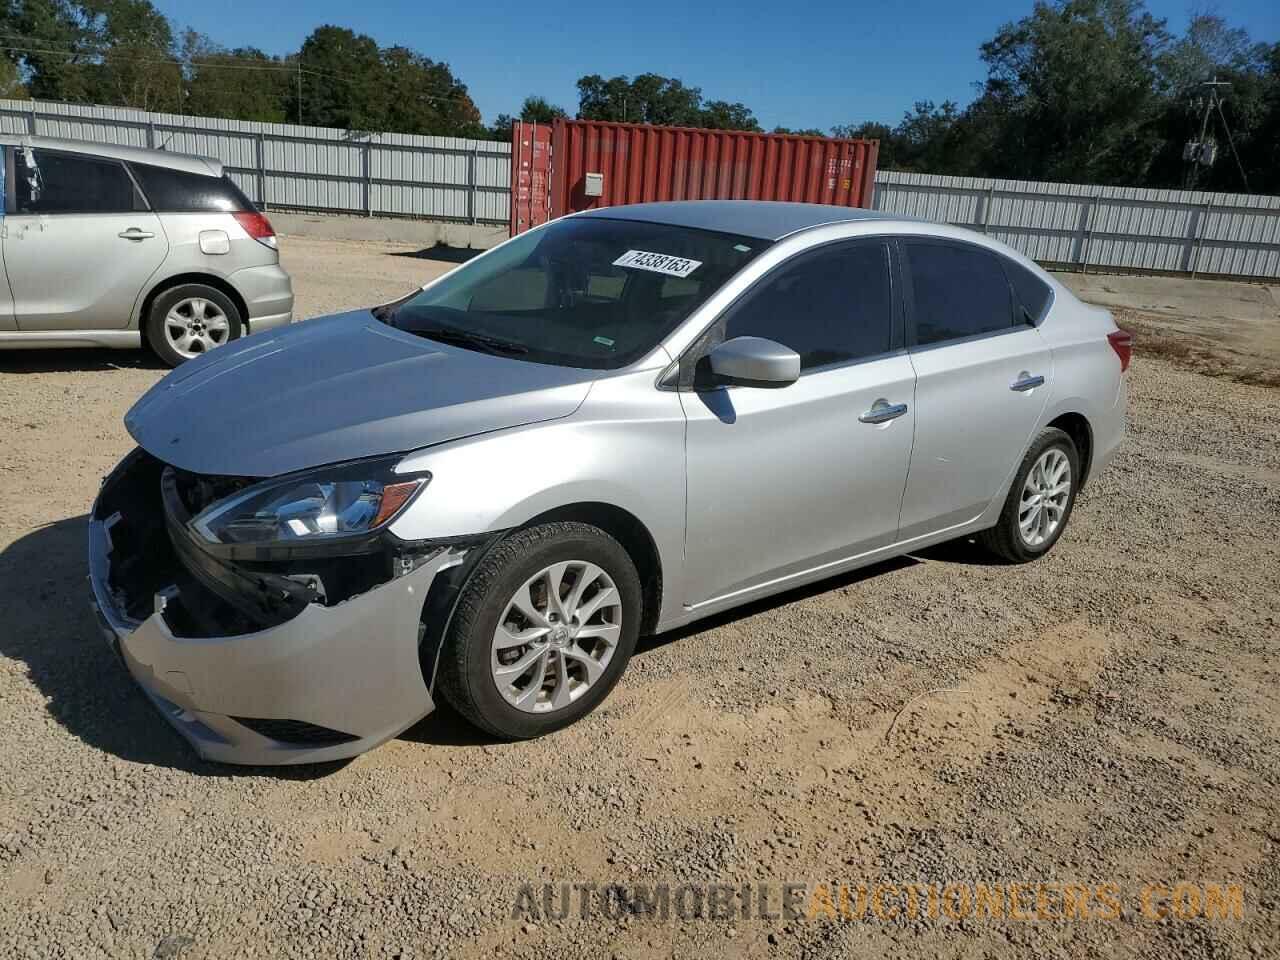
column 1040, row 500
column 542, row 631
column 190, row 320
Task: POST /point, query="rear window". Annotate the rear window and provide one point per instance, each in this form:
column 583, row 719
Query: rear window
column 176, row 191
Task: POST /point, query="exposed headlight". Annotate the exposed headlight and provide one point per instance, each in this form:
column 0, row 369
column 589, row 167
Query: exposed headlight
column 329, row 503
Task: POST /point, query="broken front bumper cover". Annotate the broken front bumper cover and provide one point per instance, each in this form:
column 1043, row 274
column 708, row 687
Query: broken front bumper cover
column 326, row 684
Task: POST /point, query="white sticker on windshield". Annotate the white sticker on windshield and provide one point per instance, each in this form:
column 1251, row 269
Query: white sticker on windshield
column 657, row 263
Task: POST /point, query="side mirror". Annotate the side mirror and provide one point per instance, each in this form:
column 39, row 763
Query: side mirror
column 754, row 362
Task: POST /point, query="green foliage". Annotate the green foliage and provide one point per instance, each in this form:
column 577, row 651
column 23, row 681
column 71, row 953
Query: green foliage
column 1098, row 91
column 1089, row 91
column 650, row 98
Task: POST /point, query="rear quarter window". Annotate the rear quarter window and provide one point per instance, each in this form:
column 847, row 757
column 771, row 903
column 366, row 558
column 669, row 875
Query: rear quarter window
column 1033, row 294
column 176, row 191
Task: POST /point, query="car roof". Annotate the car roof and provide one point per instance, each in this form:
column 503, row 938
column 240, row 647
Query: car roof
column 762, row 219
column 190, row 163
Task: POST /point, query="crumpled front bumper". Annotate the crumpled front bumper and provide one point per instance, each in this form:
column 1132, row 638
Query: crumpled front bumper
column 351, row 671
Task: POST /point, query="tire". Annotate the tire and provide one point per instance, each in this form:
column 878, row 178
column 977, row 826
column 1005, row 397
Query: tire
column 471, row 661
column 218, row 323
column 1007, row 538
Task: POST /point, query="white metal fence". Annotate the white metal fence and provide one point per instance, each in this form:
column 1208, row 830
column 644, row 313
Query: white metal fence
column 1080, row 227
column 286, row 166
column 469, row 181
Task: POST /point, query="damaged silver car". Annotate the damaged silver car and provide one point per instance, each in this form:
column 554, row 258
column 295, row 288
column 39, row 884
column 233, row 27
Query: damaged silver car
column 612, row 425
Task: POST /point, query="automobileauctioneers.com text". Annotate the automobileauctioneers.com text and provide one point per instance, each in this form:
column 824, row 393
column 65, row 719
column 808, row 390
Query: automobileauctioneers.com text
column 1022, row 900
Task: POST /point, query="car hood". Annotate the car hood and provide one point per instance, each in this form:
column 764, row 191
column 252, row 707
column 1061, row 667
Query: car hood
column 339, row 388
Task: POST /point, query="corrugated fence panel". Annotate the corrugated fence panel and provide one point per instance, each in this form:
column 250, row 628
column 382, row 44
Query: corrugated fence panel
column 1084, row 226
column 300, row 167
column 450, row 178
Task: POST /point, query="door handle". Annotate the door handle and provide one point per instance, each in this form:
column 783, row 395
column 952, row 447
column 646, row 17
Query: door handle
column 1026, row 382
column 133, row 233
column 882, row 411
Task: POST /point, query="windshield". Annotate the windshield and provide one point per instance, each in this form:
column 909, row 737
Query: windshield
column 582, row 292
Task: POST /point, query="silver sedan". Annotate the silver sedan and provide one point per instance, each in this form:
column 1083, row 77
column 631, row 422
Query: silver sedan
column 612, row 425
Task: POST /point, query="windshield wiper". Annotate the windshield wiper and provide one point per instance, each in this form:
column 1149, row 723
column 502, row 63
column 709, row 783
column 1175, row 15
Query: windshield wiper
column 469, row 338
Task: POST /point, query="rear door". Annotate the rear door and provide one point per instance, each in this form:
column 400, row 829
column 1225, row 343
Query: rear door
column 983, row 374
column 79, row 241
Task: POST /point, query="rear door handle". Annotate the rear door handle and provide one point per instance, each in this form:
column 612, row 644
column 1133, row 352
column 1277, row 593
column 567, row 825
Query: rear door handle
column 1026, row 382
column 133, row 233
column 883, row 411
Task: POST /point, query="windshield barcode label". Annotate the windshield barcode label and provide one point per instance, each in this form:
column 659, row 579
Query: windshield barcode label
column 657, row 263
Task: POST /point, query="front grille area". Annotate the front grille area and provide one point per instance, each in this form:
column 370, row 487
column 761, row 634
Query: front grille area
column 295, row 732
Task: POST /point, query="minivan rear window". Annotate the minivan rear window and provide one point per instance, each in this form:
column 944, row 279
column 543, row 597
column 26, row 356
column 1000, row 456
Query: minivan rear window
column 176, row 191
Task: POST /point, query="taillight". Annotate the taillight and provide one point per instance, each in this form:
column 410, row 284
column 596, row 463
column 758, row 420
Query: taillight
column 257, row 226
column 1122, row 343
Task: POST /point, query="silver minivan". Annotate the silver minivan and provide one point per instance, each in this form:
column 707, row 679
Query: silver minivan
column 107, row 246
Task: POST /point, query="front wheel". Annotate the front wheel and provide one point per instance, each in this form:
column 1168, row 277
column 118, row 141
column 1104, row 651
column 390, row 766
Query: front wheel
column 1040, row 500
column 542, row 631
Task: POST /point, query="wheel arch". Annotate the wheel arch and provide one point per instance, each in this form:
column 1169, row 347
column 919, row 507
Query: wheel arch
column 1076, row 425
column 632, row 534
column 177, row 280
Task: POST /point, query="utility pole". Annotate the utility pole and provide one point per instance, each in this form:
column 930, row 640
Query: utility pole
column 299, row 65
column 1204, row 151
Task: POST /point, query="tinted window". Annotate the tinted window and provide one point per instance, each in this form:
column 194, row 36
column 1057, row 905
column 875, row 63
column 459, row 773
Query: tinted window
column 175, row 191
column 582, row 292
column 1033, row 293
column 830, row 306
column 69, row 183
column 959, row 291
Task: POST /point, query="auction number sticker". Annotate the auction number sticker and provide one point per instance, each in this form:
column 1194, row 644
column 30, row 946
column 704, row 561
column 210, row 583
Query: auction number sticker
column 657, row 263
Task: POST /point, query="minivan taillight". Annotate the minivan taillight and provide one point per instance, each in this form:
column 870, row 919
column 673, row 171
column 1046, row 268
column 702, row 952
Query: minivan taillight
column 257, row 226
column 1122, row 343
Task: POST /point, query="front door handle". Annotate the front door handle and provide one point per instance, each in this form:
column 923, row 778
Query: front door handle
column 882, row 411
column 1026, row 382
column 133, row 233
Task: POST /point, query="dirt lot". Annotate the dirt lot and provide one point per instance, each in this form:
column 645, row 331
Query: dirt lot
column 1109, row 715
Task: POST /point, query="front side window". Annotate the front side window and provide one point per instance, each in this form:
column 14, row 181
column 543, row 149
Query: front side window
column 958, row 291
column 49, row 182
column 832, row 305
column 582, row 292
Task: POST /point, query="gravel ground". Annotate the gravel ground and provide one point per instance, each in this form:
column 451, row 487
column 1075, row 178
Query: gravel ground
column 1108, row 715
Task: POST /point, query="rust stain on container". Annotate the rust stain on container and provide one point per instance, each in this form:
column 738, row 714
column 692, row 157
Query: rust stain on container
column 638, row 163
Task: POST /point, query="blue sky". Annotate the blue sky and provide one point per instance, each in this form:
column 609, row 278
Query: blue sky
column 795, row 64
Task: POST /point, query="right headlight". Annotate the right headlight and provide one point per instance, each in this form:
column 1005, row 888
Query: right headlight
column 330, row 503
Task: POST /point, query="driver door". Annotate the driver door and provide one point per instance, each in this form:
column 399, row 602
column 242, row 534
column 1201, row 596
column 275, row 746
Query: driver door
column 782, row 481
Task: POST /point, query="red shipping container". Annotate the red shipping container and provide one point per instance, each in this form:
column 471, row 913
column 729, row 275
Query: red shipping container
column 575, row 165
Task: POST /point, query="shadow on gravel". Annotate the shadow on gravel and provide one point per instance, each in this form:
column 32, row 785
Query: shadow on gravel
column 647, row 644
column 442, row 253
column 70, row 360
column 47, row 624
column 966, row 550
column 445, row 727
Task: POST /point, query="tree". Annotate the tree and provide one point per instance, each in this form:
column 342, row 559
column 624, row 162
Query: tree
column 665, row 101
column 225, row 83
column 806, row 132
column 342, row 80
column 422, row 96
column 106, row 51
column 1073, row 88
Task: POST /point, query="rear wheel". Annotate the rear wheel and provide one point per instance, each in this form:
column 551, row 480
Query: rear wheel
column 189, row 320
column 1040, row 500
column 542, row 631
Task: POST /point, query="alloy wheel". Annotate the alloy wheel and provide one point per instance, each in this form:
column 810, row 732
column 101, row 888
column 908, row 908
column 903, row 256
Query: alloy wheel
column 1044, row 497
column 195, row 325
column 556, row 636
